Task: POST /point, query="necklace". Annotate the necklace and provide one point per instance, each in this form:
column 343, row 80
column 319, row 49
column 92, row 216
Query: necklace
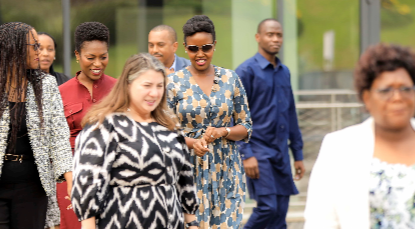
column 192, row 70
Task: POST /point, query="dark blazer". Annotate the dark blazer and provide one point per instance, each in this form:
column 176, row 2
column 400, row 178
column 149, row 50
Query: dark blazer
column 181, row 63
column 60, row 77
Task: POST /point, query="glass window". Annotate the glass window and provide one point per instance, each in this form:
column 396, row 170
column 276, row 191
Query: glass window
column 397, row 22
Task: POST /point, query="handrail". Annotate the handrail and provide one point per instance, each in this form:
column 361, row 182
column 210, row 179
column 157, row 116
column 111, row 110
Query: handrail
column 302, row 105
column 325, row 92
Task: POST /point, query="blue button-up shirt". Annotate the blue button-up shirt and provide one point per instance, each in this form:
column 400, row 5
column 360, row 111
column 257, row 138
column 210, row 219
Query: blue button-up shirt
column 273, row 112
column 275, row 124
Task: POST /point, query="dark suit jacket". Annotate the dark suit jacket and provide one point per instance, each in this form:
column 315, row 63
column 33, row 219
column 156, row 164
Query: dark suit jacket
column 181, row 63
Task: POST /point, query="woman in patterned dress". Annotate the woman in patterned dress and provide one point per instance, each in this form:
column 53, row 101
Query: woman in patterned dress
column 208, row 100
column 364, row 176
column 132, row 166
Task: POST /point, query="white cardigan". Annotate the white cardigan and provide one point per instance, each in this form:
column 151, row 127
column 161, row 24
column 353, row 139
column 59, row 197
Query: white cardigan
column 338, row 192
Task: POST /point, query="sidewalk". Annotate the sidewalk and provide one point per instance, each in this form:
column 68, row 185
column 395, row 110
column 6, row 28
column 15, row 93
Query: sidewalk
column 295, row 215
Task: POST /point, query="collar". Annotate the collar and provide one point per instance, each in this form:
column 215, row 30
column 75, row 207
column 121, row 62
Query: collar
column 263, row 63
column 95, row 82
column 174, row 63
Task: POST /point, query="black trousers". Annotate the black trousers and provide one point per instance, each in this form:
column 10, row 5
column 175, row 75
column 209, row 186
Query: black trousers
column 22, row 206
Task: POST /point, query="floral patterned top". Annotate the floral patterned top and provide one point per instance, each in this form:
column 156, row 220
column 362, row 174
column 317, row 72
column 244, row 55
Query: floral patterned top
column 219, row 174
column 392, row 195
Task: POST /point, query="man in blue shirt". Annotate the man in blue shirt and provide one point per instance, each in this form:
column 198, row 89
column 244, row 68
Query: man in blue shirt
column 162, row 43
column 265, row 157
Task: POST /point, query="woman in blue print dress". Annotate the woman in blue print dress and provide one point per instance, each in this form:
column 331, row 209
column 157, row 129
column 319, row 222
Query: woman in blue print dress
column 208, row 100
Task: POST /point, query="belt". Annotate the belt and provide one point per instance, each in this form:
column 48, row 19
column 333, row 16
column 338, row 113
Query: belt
column 12, row 157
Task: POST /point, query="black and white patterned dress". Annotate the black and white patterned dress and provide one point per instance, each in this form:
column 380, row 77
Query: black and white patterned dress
column 132, row 175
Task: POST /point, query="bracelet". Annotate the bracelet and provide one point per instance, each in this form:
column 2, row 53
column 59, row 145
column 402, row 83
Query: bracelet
column 229, row 131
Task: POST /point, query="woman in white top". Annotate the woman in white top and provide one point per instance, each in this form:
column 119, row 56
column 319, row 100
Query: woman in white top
column 364, row 176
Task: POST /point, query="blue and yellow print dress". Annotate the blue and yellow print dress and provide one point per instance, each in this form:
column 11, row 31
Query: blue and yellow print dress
column 219, row 174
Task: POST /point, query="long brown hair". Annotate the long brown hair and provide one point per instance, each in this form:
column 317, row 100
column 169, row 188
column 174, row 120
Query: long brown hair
column 118, row 99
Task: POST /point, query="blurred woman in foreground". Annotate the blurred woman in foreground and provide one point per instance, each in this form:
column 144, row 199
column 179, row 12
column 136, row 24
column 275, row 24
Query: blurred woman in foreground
column 364, row 176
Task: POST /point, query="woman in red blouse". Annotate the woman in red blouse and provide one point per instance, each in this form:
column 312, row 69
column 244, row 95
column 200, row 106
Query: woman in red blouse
column 88, row 87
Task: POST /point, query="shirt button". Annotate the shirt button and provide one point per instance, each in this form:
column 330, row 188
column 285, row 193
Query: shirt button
column 279, row 101
column 243, row 155
column 95, row 86
column 282, row 126
column 168, row 169
column 94, row 100
column 70, row 111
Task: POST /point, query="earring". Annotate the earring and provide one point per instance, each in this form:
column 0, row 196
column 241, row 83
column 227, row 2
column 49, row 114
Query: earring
column 185, row 51
column 77, row 61
column 214, row 49
column 54, row 58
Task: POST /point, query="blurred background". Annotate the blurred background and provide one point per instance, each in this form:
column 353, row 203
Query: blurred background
column 322, row 43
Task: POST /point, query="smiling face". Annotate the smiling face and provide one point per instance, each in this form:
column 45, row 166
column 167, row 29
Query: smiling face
column 162, row 45
column 393, row 113
column 270, row 37
column 93, row 59
column 32, row 59
column 146, row 92
column 47, row 52
column 200, row 60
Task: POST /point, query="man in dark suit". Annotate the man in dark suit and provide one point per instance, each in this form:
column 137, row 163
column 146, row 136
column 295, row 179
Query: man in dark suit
column 162, row 44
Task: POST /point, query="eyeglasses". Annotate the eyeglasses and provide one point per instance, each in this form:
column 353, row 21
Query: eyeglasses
column 205, row 48
column 36, row 46
column 404, row 91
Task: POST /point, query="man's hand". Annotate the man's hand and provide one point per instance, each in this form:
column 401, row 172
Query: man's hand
column 251, row 167
column 299, row 170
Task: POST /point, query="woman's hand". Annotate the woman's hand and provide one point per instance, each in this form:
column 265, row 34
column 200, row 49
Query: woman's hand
column 200, row 147
column 212, row 133
column 68, row 178
column 193, row 227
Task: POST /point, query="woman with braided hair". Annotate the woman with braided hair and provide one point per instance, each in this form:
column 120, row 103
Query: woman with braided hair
column 34, row 137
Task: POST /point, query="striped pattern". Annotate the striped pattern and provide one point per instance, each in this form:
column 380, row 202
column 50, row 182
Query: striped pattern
column 132, row 175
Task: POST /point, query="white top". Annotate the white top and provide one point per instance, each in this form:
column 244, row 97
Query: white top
column 338, row 192
column 391, row 195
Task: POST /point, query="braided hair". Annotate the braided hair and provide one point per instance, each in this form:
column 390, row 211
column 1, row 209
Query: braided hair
column 14, row 74
column 199, row 23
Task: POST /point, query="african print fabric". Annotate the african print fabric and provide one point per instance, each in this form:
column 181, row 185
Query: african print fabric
column 219, row 174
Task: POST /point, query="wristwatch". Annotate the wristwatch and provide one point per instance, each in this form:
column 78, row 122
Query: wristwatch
column 193, row 223
column 229, row 131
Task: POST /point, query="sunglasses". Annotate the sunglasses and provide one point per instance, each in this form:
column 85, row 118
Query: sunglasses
column 205, row 48
column 36, row 46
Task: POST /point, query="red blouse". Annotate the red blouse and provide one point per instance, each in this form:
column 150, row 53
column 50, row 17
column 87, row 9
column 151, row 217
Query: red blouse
column 77, row 100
